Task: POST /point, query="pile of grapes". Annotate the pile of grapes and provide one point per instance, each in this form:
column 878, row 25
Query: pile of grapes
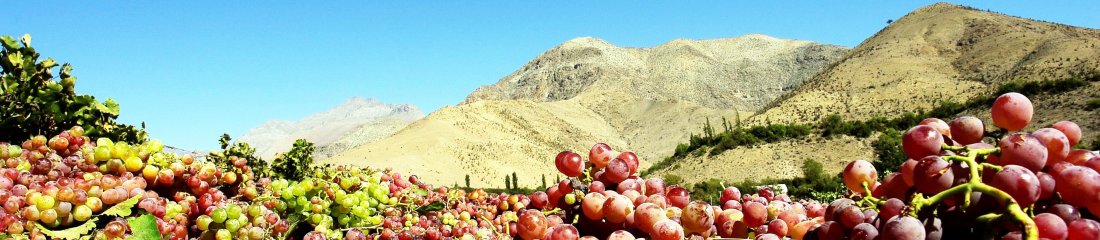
column 961, row 182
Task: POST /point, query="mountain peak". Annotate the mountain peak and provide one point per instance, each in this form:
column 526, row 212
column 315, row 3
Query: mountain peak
column 351, row 118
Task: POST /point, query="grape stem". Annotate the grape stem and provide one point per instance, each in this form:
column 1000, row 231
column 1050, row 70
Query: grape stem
column 975, row 184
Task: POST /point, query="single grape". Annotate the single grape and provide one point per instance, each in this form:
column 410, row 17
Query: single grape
column 967, row 130
column 907, row 171
column 1056, row 142
column 921, row 141
column 864, row 231
column 1084, row 229
column 932, row 175
column 1012, row 111
column 600, row 155
column 697, row 217
column 903, row 228
column 938, row 124
column 857, row 173
column 755, row 214
column 849, row 216
column 531, row 224
column 667, row 230
column 778, row 227
column 1050, row 226
column 1077, row 185
column 569, row 163
column 617, row 170
column 1019, row 183
column 1071, row 130
column 677, row 196
column 1024, row 150
column 619, row 235
column 617, row 208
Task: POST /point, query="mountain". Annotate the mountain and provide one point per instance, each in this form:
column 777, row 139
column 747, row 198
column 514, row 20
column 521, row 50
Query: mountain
column 935, row 53
column 348, row 125
column 587, row 90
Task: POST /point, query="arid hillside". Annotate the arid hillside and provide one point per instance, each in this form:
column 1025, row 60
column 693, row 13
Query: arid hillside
column 587, row 90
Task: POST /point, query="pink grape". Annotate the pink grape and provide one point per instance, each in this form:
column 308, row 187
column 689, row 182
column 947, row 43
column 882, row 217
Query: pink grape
column 616, row 208
column 1056, row 142
column 620, row 235
column 857, row 173
column 592, row 205
column 569, row 163
column 1084, row 229
column 903, row 228
column 531, row 224
column 1050, row 226
column 677, row 196
column 1024, row 150
column 667, row 230
column 755, row 214
column 654, row 186
column 631, row 161
column 1012, row 111
column 937, row 124
column 864, row 231
column 648, row 214
column 932, row 175
column 1077, row 185
column 697, row 217
column 600, row 155
column 617, row 170
column 1019, row 183
column 921, row 141
column 967, row 130
column 1071, row 130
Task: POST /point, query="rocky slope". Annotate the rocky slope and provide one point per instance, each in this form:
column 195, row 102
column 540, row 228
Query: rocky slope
column 587, row 90
column 348, row 125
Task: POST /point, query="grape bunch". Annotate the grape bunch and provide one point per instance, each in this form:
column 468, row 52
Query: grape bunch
column 962, row 182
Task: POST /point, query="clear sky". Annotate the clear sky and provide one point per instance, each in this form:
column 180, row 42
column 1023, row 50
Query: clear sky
column 192, row 70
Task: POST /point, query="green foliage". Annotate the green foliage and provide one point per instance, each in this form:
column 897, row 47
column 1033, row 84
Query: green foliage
column 1029, row 88
column 467, row 181
column 34, row 102
column 543, row 181
column 888, row 149
column 507, row 183
column 515, row 180
column 296, row 163
column 70, row 233
column 144, row 227
column 729, row 138
column 239, row 150
column 672, row 179
column 1092, row 104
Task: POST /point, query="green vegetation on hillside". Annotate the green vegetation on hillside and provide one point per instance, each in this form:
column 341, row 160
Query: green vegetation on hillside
column 814, row 184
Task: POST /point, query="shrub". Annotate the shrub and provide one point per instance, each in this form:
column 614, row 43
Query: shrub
column 295, row 164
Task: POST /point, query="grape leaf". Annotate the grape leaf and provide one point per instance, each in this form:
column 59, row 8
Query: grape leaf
column 434, row 206
column 123, row 208
column 144, row 227
column 70, row 233
column 420, row 192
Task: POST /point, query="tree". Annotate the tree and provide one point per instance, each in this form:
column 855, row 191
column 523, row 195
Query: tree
column 515, row 181
column 544, row 181
column 507, row 183
column 33, row 102
column 812, row 170
column 889, row 21
column 467, row 181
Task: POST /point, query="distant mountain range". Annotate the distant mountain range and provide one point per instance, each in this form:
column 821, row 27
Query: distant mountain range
column 352, row 123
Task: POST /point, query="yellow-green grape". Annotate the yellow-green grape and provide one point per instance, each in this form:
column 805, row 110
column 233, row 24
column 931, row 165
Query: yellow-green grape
column 82, row 213
column 102, row 153
column 46, row 202
column 121, row 150
column 203, row 222
column 134, row 164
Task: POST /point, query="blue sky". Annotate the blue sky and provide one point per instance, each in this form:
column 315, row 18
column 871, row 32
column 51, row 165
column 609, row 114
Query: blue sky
column 192, row 70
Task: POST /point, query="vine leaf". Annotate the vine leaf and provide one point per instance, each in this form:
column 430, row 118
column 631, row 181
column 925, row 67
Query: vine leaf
column 144, row 227
column 70, row 233
column 123, row 208
column 434, row 206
